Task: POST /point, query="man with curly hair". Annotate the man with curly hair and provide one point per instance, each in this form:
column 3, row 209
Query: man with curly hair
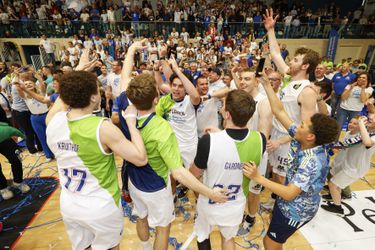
column 84, row 145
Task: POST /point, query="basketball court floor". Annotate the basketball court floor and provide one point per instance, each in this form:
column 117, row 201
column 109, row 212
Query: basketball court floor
column 326, row 231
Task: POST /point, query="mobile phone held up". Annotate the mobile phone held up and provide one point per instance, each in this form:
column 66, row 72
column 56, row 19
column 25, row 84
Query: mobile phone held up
column 260, row 67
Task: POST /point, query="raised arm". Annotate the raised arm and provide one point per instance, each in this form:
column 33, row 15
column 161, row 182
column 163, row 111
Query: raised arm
column 308, row 100
column 269, row 23
column 112, row 137
column 163, row 88
column 235, row 77
column 129, row 62
column 189, row 87
column 366, row 139
column 276, row 105
column 265, row 118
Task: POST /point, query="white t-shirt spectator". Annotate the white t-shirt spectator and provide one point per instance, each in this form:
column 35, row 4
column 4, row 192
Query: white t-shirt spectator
column 353, row 103
column 104, row 17
column 177, row 16
column 288, row 20
column 296, row 22
column 185, row 37
column 114, row 80
column 85, row 17
column 111, row 16
column 88, row 44
column 47, row 45
column 4, row 17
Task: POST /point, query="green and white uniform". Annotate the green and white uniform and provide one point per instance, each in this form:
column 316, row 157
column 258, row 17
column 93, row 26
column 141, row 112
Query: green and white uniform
column 224, row 169
column 149, row 186
column 90, row 195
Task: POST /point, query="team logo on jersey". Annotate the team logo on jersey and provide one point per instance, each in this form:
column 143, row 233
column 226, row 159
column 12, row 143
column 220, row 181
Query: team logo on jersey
column 296, row 86
column 282, row 94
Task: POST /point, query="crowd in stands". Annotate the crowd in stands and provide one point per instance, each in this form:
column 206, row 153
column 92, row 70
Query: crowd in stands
column 223, row 17
column 182, row 80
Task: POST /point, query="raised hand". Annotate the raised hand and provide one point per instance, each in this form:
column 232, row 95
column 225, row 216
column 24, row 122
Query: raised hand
column 163, row 51
column 268, row 20
column 139, row 45
column 173, row 63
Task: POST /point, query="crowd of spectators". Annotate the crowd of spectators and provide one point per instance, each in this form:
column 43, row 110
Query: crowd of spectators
column 29, row 18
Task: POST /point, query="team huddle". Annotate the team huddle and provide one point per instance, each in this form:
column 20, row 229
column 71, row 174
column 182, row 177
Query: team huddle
column 202, row 135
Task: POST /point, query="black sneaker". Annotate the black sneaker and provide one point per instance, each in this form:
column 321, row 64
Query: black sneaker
column 248, row 223
column 330, row 207
column 346, row 196
column 327, row 197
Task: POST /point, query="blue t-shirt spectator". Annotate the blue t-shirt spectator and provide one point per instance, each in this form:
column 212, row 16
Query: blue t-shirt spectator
column 308, row 170
column 340, row 82
column 135, row 17
column 95, row 15
column 257, row 19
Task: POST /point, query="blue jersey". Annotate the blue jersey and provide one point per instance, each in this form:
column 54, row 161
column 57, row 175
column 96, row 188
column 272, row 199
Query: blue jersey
column 120, row 104
column 307, row 170
column 340, row 82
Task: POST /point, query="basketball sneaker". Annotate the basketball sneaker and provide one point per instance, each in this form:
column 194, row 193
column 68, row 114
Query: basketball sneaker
column 246, row 226
column 23, row 187
column 6, row 193
column 330, row 207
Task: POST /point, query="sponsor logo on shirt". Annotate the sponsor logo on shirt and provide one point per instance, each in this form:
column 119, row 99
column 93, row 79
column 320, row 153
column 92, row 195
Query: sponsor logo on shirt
column 296, row 86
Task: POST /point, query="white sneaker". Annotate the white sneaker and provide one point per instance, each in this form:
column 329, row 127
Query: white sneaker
column 48, row 160
column 23, row 187
column 6, row 193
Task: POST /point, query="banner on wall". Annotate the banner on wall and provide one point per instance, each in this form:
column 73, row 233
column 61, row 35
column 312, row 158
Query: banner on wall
column 332, row 44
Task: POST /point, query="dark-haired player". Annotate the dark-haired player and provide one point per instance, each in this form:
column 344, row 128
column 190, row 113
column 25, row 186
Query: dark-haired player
column 308, row 166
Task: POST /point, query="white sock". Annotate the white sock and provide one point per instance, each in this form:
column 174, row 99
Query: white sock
column 146, row 245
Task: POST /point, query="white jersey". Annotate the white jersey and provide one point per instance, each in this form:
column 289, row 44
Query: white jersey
column 355, row 160
column 289, row 98
column 207, row 115
column 252, row 124
column 114, row 81
column 224, row 169
column 88, row 175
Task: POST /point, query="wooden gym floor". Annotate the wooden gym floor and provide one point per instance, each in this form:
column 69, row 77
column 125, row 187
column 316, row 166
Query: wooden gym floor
column 53, row 236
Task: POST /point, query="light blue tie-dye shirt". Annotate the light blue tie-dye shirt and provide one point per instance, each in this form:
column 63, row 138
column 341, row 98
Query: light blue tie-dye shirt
column 307, row 169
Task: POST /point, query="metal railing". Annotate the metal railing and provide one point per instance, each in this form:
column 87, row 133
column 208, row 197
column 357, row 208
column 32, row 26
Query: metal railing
column 35, row 28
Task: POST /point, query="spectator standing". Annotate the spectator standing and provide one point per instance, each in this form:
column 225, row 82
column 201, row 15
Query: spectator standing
column 49, row 48
column 340, row 81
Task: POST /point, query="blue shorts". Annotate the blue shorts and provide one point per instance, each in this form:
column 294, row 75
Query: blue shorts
column 281, row 227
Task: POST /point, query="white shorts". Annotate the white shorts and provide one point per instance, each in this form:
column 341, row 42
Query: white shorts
column 342, row 180
column 255, row 187
column 203, row 229
column 188, row 155
column 99, row 233
column 279, row 158
column 158, row 206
